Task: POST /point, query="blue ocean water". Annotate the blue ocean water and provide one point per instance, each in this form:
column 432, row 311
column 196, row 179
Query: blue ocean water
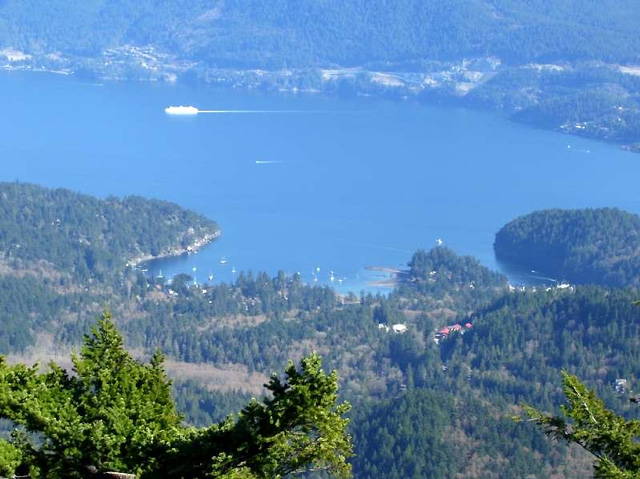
column 332, row 183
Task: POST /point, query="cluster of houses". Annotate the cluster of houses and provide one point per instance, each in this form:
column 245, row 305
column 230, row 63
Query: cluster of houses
column 447, row 330
column 444, row 333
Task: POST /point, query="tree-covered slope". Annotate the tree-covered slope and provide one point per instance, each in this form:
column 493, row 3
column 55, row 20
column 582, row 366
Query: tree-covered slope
column 294, row 34
column 451, row 419
column 441, row 278
column 427, row 433
column 63, row 255
column 520, row 343
column 84, row 236
column 423, row 408
column 454, row 421
column 596, row 246
column 442, row 266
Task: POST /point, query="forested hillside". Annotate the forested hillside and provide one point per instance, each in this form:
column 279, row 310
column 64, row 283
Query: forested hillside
column 283, row 33
column 434, row 370
column 512, row 354
column 86, row 237
column 428, row 433
column 590, row 246
column 64, row 255
column 520, row 341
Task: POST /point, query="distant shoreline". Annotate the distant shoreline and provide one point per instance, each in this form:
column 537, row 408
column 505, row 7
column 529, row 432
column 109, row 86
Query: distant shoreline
column 194, row 247
column 381, row 84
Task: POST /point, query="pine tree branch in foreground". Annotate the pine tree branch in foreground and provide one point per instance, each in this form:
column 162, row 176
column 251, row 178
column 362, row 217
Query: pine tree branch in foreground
column 586, row 421
column 115, row 413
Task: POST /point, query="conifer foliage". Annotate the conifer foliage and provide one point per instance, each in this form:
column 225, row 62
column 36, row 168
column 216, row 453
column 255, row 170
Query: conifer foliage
column 115, row 413
column 612, row 439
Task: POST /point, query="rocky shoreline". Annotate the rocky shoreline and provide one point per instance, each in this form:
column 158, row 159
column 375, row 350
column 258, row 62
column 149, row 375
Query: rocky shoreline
column 192, row 248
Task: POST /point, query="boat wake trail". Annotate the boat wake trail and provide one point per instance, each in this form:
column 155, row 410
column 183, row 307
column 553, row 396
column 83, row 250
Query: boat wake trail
column 192, row 110
column 251, row 111
column 268, row 162
column 544, row 278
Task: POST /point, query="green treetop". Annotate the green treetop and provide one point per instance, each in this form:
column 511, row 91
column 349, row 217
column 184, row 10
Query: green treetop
column 298, row 429
column 115, row 413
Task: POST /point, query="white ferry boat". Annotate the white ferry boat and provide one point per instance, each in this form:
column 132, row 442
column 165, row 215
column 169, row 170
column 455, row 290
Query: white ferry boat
column 181, row 110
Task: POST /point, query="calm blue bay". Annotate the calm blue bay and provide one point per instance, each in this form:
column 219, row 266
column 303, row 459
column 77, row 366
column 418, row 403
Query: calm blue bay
column 333, row 183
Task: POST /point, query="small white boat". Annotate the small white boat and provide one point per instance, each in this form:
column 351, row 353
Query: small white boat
column 181, row 110
column 223, row 260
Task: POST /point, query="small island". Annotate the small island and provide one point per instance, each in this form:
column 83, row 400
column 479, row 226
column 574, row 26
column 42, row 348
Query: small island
column 584, row 246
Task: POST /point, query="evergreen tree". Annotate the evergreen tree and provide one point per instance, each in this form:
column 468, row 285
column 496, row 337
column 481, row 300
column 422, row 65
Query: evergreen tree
column 114, row 412
column 612, row 439
column 9, row 458
column 299, row 428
